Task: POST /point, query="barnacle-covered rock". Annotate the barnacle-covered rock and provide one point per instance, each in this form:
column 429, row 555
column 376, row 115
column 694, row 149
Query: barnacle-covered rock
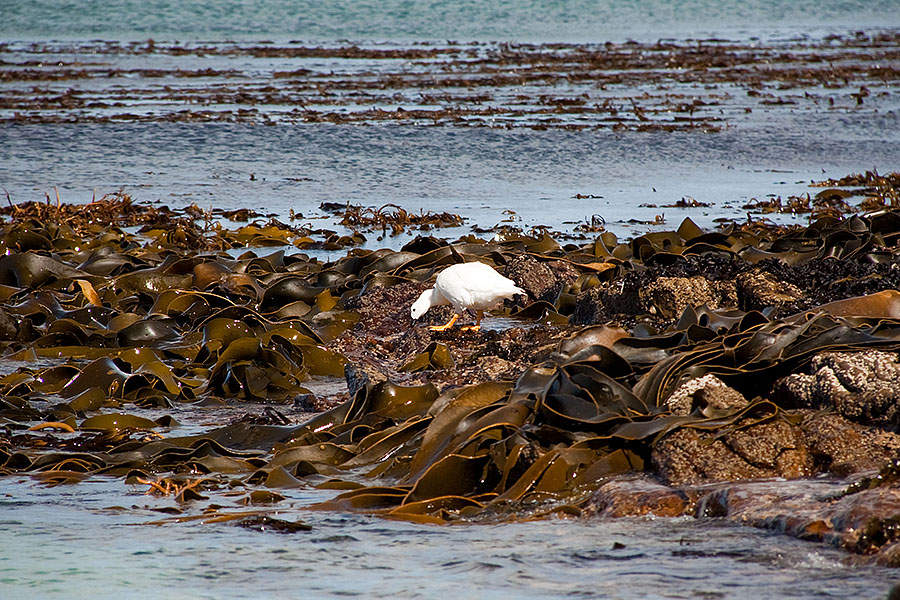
column 664, row 298
column 771, row 449
column 861, row 386
column 758, row 289
column 671, row 295
column 842, row 447
column 708, row 394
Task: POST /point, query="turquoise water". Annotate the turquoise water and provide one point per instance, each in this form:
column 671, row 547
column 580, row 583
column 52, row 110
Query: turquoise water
column 404, row 20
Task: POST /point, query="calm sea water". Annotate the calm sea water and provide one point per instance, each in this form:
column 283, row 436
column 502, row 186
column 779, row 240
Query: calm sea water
column 480, row 173
column 97, row 540
column 71, row 541
column 405, row 20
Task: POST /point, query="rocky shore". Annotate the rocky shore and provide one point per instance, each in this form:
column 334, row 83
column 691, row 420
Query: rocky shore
column 748, row 373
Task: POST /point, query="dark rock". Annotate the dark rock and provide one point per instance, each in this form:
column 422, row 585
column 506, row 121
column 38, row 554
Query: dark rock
column 862, row 386
column 359, row 376
column 827, row 279
column 590, row 307
column 312, row 403
column 8, row 328
column 385, row 309
column 305, row 402
column 534, row 276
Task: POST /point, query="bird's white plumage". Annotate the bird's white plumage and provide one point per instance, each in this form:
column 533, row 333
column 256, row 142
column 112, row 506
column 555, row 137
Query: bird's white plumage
column 472, row 285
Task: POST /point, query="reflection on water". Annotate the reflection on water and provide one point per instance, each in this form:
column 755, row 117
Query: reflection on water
column 478, row 173
column 93, row 540
column 542, row 20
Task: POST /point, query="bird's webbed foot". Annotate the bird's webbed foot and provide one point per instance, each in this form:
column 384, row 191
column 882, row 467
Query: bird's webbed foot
column 446, row 325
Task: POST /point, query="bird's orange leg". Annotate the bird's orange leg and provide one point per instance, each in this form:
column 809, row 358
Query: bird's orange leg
column 479, row 315
column 446, row 325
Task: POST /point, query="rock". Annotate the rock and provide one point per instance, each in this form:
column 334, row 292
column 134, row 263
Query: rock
column 534, row 276
column 359, row 376
column 564, row 271
column 814, row 509
column 861, row 386
column 669, row 296
column 306, row 402
column 770, row 449
column 8, row 328
column 889, row 556
column 666, row 297
column 384, row 310
column 708, row 393
column 590, row 307
column 841, row 447
column 637, row 496
column 312, row 403
column 758, row 289
column 868, row 519
column 498, row 369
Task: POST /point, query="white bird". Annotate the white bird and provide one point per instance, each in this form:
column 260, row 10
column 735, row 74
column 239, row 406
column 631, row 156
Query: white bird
column 472, row 285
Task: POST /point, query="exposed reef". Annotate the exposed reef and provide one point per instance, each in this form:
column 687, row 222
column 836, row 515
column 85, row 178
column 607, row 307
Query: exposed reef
column 684, row 372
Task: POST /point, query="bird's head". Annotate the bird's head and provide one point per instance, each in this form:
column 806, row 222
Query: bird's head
column 421, row 306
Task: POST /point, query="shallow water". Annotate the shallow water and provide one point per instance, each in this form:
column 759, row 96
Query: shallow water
column 94, row 539
column 478, row 173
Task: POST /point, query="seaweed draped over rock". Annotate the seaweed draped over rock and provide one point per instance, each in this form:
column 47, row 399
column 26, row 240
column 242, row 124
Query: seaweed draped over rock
column 718, row 373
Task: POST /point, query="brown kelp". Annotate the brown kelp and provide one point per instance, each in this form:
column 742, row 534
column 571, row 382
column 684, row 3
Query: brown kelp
column 638, row 356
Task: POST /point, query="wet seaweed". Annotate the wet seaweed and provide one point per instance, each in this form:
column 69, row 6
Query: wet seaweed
column 520, row 421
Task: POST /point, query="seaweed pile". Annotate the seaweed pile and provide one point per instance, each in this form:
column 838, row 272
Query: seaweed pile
column 679, row 361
